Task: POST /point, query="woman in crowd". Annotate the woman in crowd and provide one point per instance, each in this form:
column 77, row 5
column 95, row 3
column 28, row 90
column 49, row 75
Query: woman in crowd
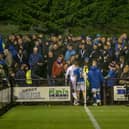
column 125, row 76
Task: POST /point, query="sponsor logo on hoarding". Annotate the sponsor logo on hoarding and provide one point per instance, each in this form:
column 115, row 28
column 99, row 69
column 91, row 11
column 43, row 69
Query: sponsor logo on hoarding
column 120, row 93
column 29, row 93
column 61, row 93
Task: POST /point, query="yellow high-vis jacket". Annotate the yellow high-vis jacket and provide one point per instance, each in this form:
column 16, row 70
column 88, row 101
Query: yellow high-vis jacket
column 28, row 77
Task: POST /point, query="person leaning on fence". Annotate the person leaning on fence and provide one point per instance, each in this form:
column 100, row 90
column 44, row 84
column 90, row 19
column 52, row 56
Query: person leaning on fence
column 124, row 77
column 110, row 81
column 95, row 78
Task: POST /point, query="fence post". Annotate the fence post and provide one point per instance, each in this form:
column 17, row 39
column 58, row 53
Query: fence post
column 104, row 93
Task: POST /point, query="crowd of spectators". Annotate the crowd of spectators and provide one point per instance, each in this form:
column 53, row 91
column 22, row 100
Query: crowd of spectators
column 34, row 57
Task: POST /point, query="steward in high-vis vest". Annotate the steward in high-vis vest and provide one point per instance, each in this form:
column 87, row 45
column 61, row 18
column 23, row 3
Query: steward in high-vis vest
column 28, row 75
column 85, row 72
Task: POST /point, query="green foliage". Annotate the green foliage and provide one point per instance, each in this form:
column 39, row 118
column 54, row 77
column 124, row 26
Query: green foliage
column 107, row 16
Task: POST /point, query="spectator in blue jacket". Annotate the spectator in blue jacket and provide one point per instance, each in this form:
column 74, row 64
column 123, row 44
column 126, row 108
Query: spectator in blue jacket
column 95, row 78
column 1, row 44
column 70, row 52
column 112, row 74
column 36, row 62
column 35, row 58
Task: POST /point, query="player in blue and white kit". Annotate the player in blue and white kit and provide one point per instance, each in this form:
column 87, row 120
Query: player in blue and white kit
column 95, row 78
column 72, row 78
column 80, row 83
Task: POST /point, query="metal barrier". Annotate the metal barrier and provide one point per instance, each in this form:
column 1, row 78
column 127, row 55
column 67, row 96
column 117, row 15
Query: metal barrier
column 110, row 94
column 40, row 91
column 39, row 82
column 6, row 94
column 117, row 93
column 5, row 97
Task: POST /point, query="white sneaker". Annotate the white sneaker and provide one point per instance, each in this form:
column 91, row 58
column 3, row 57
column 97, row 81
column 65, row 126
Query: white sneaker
column 75, row 103
column 94, row 104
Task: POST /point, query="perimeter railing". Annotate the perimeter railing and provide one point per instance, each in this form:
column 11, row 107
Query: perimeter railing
column 41, row 90
column 115, row 91
column 6, row 95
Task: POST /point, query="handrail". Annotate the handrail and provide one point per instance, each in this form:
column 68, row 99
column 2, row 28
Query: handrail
column 45, row 79
column 116, row 78
column 34, row 79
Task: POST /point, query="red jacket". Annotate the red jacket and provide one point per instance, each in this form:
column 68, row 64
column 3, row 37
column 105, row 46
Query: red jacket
column 57, row 69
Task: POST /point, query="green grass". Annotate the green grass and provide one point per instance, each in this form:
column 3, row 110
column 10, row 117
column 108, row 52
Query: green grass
column 44, row 117
column 64, row 117
column 112, row 117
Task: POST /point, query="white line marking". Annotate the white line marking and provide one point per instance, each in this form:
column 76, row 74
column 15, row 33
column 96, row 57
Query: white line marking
column 91, row 117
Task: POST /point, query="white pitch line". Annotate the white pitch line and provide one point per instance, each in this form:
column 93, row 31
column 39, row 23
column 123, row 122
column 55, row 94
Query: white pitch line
column 92, row 118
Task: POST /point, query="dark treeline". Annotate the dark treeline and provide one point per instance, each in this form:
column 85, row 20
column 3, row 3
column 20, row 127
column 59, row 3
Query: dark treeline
column 78, row 16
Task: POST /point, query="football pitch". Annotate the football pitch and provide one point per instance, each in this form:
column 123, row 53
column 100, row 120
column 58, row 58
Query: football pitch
column 65, row 117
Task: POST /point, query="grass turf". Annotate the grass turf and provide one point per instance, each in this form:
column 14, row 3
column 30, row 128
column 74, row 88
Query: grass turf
column 45, row 117
column 64, row 117
column 112, row 117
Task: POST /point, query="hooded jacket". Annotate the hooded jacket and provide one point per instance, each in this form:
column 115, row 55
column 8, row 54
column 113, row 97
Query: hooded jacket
column 95, row 77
